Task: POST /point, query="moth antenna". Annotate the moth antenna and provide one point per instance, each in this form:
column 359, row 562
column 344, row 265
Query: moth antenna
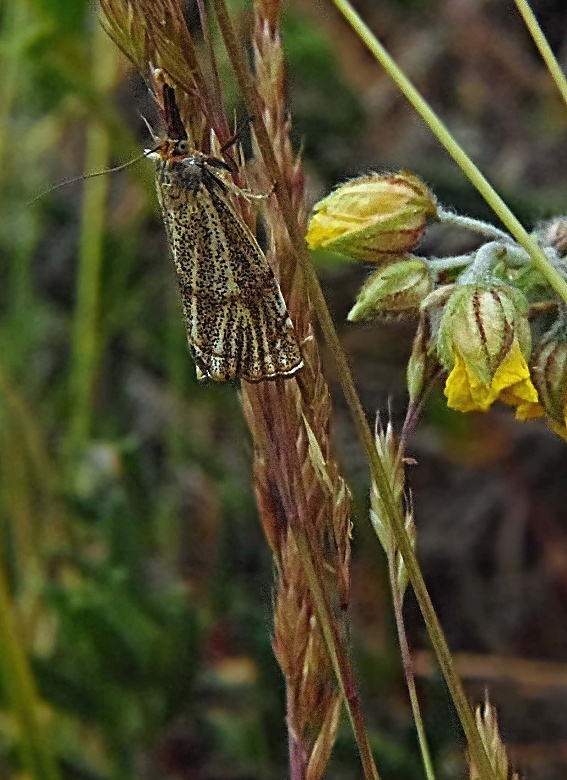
column 155, row 138
column 74, row 179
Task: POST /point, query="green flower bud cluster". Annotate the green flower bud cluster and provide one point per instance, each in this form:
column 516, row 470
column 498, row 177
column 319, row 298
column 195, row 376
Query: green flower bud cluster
column 477, row 311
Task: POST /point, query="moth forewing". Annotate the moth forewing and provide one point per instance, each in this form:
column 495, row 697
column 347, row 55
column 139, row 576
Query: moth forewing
column 236, row 318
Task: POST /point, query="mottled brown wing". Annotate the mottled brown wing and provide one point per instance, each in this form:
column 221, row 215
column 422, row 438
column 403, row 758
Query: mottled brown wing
column 237, row 322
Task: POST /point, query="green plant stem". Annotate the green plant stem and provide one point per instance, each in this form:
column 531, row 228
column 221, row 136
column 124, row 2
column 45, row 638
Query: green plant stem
column 30, row 436
column 440, row 264
column 408, row 667
column 254, row 107
column 32, row 441
column 464, row 162
column 485, row 229
column 544, row 48
column 12, row 42
column 85, row 342
column 20, row 692
column 339, row 660
column 16, row 33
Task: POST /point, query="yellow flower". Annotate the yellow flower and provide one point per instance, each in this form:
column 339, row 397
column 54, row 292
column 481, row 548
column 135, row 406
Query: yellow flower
column 511, row 383
column 376, row 217
column 483, row 340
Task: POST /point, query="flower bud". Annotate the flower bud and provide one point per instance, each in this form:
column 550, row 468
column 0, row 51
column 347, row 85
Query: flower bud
column 483, row 340
column 422, row 364
column 397, row 287
column 377, row 217
column 553, row 233
column 549, row 371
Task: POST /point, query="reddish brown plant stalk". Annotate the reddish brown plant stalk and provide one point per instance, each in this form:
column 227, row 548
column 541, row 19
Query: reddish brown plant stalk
column 295, row 474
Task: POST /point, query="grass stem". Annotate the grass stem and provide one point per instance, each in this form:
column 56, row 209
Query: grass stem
column 20, row 691
column 408, row 668
column 85, row 342
column 439, row 129
column 543, row 46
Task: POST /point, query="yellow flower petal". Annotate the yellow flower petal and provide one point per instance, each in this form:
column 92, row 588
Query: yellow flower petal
column 511, row 384
column 529, row 411
column 464, row 391
column 512, row 377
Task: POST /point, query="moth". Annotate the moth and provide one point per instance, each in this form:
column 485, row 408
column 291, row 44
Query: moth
column 235, row 315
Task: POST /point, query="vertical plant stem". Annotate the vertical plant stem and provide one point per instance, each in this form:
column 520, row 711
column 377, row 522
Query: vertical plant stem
column 295, row 752
column 543, row 46
column 408, row 667
column 20, row 692
column 434, row 629
column 15, row 16
column 246, row 84
column 85, row 340
column 16, row 30
column 538, row 256
column 339, row 660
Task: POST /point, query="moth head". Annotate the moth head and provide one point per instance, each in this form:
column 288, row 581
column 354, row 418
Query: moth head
column 182, row 147
column 169, row 150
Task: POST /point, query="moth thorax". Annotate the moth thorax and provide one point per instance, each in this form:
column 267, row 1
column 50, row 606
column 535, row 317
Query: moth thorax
column 189, row 173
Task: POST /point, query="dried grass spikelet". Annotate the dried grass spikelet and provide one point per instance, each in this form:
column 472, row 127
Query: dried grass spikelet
column 153, row 34
column 388, row 449
column 296, row 476
column 297, row 480
column 487, row 724
column 124, row 23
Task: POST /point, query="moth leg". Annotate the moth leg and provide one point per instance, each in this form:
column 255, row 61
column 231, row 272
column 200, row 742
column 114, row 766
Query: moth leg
column 237, row 133
column 248, row 194
column 230, row 186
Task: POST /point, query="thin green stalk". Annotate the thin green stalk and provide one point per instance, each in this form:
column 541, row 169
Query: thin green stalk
column 29, row 435
column 408, row 667
column 254, row 107
column 395, row 517
column 339, row 660
column 16, row 31
column 21, row 694
column 440, row 264
column 464, row 162
column 485, row 229
column 12, row 41
column 544, row 48
column 85, row 343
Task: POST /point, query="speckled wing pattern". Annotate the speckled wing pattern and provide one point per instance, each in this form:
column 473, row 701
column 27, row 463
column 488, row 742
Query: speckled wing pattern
column 236, row 318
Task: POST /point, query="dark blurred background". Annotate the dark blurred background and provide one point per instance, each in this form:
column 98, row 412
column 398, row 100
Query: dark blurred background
column 132, row 554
